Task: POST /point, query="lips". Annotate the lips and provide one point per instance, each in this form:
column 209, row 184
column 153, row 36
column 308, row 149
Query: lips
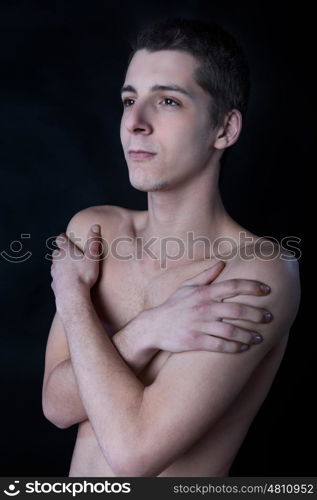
column 140, row 154
column 141, row 151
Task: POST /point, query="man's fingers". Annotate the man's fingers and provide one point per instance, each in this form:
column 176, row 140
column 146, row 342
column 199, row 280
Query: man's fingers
column 217, row 344
column 233, row 287
column 233, row 310
column 95, row 229
column 67, row 245
column 61, row 239
column 93, row 243
column 231, row 332
column 206, row 276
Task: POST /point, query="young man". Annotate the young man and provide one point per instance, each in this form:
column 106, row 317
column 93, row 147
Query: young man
column 164, row 349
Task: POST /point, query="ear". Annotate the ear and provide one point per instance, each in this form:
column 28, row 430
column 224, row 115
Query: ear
column 229, row 132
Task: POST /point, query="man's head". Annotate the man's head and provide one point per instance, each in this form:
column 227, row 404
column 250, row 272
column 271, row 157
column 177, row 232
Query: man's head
column 186, row 130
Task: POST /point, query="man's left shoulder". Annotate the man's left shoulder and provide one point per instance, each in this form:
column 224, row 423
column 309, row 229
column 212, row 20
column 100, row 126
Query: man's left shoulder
column 269, row 260
column 271, row 264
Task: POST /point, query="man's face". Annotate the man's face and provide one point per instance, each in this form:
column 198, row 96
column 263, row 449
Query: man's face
column 172, row 124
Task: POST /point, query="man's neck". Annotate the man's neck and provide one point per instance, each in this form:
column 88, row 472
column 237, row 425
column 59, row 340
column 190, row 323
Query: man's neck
column 193, row 209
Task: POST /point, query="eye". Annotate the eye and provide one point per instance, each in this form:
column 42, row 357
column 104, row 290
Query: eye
column 175, row 103
column 170, row 102
column 125, row 102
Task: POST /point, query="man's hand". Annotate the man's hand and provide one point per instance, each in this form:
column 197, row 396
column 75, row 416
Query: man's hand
column 72, row 270
column 192, row 317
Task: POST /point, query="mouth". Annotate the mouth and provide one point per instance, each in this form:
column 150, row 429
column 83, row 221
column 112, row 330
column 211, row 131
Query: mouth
column 140, row 154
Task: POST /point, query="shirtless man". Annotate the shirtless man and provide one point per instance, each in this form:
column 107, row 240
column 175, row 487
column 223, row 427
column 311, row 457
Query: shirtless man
column 164, row 362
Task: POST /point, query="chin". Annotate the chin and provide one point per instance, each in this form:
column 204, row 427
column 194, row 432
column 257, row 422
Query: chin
column 149, row 188
column 147, row 185
column 159, row 186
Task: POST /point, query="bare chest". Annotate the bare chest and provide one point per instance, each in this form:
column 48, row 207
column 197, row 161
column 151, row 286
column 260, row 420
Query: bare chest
column 126, row 288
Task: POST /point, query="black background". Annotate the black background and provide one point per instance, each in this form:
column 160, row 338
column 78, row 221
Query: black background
column 61, row 68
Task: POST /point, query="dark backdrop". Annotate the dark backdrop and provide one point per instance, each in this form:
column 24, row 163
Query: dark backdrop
column 62, row 65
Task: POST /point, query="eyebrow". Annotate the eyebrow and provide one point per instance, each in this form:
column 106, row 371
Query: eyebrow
column 157, row 88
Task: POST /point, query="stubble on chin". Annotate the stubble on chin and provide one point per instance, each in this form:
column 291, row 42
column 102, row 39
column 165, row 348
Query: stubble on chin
column 159, row 186
column 146, row 185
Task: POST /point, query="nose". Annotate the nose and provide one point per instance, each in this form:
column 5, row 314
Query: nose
column 137, row 119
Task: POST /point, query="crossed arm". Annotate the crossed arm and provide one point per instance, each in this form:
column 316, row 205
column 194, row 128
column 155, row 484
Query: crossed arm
column 141, row 430
column 62, row 403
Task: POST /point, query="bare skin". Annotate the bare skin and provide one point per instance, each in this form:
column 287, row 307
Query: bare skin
column 117, row 302
column 184, row 413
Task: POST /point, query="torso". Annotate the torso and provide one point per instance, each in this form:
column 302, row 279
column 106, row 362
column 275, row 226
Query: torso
column 127, row 287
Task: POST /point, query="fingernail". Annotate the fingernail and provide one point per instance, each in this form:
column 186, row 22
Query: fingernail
column 96, row 228
column 265, row 288
column 267, row 316
column 257, row 338
column 244, row 347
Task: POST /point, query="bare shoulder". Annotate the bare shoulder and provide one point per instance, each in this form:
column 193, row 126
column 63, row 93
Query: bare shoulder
column 111, row 218
column 196, row 388
column 269, row 263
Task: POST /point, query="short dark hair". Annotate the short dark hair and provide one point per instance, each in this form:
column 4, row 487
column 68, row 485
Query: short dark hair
column 223, row 71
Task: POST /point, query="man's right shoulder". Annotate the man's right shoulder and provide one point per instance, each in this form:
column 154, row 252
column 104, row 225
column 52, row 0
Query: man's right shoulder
column 109, row 217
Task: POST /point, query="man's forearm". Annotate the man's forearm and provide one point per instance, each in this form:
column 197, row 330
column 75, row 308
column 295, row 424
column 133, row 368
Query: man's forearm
column 134, row 343
column 61, row 392
column 111, row 393
column 62, row 403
